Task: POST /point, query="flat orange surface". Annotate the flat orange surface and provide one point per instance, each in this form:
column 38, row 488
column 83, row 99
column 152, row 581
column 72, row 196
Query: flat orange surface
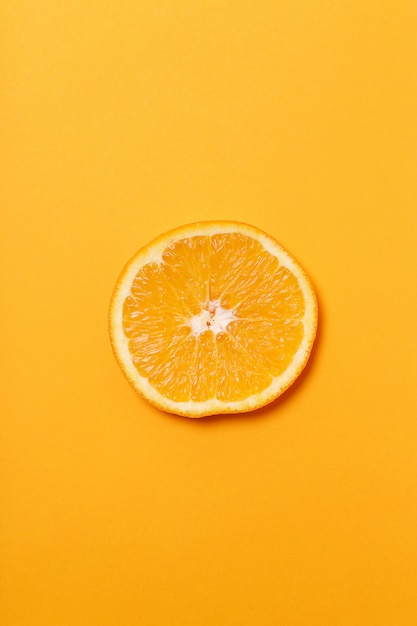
column 121, row 120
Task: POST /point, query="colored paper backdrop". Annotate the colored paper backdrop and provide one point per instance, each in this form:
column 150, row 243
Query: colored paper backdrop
column 121, row 120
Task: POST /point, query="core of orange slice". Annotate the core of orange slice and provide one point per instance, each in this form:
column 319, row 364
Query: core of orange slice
column 213, row 317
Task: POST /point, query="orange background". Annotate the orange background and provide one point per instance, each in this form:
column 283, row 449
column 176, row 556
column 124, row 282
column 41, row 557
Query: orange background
column 121, row 120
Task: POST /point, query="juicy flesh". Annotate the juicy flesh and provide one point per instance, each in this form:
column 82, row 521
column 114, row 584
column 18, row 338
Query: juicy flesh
column 218, row 317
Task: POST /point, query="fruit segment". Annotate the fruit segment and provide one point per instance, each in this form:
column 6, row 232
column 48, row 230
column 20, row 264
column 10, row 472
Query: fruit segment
column 239, row 375
column 272, row 344
column 203, row 373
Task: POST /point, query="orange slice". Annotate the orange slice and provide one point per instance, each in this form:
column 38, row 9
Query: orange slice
column 213, row 317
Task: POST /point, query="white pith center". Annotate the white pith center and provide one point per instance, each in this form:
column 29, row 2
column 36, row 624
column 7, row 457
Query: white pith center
column 212, row 317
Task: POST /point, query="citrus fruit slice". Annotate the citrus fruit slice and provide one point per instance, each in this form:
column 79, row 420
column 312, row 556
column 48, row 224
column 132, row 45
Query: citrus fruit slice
column 213, row 317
